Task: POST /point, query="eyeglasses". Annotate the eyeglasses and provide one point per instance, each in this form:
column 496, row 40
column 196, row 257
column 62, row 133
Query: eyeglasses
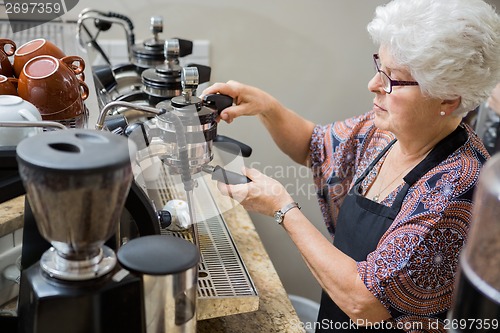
column 386, row 80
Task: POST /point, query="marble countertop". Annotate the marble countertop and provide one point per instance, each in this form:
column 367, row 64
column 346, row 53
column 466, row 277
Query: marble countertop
column 275, row 312
column 11, row 215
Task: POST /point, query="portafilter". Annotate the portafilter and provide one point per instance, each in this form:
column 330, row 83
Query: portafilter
column 182, row 132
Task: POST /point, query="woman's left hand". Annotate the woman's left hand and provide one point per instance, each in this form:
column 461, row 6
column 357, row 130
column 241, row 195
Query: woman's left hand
column 263, row 194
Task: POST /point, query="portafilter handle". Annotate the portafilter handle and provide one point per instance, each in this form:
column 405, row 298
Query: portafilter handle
column 176, row 48
column 217, row 102
column 232, row 146
column 222, row 175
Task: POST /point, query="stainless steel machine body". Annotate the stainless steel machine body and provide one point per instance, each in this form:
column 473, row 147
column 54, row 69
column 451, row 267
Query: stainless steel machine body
column 169, row 279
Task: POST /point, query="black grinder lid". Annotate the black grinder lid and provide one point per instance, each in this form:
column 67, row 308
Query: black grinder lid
column 158, row 255
column 76, row 150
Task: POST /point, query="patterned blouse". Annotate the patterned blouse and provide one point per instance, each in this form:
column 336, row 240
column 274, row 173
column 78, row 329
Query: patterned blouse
column 412, row 269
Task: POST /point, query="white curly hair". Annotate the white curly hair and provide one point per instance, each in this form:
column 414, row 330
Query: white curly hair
column 450, row 47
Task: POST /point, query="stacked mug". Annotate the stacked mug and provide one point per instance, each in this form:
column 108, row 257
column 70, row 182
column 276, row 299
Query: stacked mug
column 12, row 107
column 8, row 83
column 52, row 85
column 43, row 75
column 52, row 81
column 7, row 49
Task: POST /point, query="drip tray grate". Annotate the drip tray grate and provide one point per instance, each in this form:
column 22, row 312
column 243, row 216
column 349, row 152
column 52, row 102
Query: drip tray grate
column 224, row 285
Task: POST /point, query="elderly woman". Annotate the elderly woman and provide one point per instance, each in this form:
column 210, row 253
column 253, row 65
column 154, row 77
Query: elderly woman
column 394, row 184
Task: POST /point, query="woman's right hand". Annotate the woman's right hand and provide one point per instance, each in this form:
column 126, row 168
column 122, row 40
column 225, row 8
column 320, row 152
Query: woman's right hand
column 248, row 100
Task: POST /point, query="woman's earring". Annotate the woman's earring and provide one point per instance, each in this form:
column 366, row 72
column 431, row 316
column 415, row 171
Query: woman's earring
column 442, row 113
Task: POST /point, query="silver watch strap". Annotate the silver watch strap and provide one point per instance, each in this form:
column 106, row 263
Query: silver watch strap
column 288, row 207
column 285, row 209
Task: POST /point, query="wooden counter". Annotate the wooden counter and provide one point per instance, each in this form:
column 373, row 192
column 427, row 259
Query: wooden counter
column 275, row 313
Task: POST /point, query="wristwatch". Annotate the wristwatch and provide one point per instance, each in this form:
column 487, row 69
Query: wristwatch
column 279, row 215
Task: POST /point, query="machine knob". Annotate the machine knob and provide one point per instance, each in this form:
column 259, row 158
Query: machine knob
column 156, row 24
column 189, row 78
column 172, row 49
column 164, row 218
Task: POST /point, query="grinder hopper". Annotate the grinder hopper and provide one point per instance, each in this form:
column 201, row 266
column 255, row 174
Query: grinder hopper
column 76, row 182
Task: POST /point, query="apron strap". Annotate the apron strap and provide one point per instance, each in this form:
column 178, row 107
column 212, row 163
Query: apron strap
column 374, row 162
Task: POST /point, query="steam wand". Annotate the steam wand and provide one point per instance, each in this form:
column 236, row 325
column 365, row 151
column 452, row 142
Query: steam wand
column 105, row 110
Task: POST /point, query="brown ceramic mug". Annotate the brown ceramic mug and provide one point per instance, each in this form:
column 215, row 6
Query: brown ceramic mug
column 7, row 48
column 8, row 85
column 52, row 85
column 76, row 109
column 32, row 49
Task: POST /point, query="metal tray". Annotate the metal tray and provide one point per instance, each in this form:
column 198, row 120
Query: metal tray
column 224, row 284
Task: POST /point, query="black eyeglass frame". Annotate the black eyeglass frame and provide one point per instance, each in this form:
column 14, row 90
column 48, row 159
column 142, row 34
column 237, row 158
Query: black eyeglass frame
column 391, row 82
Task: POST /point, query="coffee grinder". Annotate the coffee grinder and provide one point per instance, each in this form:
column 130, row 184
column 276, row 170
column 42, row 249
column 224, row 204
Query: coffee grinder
column 77, row 183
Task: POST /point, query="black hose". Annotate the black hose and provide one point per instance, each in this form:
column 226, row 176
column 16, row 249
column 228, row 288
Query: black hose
column 129, row 23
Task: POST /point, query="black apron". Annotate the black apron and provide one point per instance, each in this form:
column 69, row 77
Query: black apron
column 362, row 222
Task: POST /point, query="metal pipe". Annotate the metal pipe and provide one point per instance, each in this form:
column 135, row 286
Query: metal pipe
column 94, row 14
column 91, row 10
column 102, row 115
column 43, row 123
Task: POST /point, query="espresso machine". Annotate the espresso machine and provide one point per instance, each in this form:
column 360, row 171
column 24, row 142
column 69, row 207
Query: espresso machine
column 181, row 134
column 77, row 182
column 476, row 305
column 152, row 72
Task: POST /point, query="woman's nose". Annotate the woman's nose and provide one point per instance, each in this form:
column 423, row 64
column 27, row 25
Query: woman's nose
column 375, row 84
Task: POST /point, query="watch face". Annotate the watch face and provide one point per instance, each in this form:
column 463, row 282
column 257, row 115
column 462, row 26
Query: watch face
column 278, row 217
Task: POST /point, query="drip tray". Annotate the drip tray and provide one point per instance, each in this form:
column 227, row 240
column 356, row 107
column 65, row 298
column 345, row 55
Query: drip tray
column 224, row 285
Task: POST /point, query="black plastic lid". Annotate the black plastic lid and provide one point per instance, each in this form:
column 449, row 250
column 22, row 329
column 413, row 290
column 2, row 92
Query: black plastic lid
column 158, row 255
column 76, row 150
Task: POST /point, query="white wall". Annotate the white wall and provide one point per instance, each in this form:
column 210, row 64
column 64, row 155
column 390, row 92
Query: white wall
column 314, row 55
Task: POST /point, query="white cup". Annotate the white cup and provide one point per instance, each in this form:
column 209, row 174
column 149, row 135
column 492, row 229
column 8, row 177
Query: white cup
column 179, row 211
column 14, row 108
